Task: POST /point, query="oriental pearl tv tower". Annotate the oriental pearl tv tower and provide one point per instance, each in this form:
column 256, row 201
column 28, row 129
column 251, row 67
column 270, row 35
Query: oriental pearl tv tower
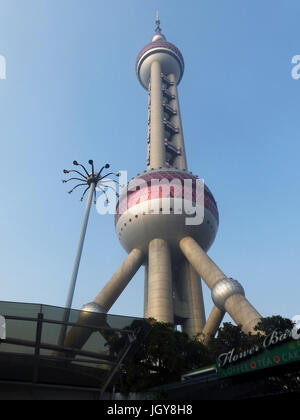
column 172, row 251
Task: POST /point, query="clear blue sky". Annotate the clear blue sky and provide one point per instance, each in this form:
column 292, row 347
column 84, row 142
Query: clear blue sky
column 71, row 93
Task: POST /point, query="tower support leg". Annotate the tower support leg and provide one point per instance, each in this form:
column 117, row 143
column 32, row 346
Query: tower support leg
column 78, row 336
column 146, row 292
column 210, row 328
column 115, row 286
column 160, row 290
column 190, row 289
column 229, row 293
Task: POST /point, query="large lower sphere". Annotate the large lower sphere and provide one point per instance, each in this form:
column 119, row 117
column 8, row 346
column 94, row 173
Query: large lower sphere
column 149, row 211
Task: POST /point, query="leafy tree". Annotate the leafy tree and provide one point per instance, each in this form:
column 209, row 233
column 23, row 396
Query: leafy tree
column 268, row 325
column 228, row 337
column 165, row 354
column 163, row 357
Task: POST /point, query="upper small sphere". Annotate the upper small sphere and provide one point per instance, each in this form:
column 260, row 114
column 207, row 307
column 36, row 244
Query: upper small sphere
column 169, row 56
column 158, row 37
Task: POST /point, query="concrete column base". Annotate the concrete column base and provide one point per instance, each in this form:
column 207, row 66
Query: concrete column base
column 146, row 292
column 160, row 290
column 192, row 292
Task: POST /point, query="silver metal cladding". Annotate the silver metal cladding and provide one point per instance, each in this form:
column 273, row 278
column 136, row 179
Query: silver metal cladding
column 224, row 289
column 93, row 307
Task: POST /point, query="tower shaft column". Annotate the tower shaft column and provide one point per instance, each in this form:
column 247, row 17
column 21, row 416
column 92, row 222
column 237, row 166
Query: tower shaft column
column 157, row 131
column 238, row 307
column 180, row 161
column 160, row 291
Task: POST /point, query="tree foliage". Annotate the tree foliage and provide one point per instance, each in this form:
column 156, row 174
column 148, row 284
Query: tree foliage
column 268, row 325
column 166, row 354
column 163, row 357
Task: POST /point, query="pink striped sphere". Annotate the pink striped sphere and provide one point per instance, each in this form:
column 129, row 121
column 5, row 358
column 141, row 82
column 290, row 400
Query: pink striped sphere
column 168, row 204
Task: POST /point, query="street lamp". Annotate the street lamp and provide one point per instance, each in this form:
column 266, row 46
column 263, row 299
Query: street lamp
column 90, row 180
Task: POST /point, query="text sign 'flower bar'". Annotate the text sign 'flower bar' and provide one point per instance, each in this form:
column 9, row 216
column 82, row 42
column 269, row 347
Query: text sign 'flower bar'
column 262, row 358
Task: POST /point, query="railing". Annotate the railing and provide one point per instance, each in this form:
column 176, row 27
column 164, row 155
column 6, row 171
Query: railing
column 171, row 148
column 170, row 127
column 167, row 94
column 30, row 352
column 169, row 109
column 166, row 80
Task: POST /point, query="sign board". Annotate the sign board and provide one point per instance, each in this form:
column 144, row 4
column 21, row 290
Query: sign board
column 266, row 358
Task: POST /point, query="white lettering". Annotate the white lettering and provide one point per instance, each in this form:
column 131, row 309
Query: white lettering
column 133, row 411
column 198, row 208
column 271, row 339
column 2, row 67
column 296, row 69
column 161, row 192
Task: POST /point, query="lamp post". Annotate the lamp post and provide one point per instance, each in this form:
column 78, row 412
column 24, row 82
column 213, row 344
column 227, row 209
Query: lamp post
column 90, row 180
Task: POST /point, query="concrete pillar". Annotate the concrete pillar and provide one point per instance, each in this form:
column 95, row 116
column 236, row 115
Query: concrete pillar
column 180, row 161
column 160, row 292
column 242, row 312
column 191, row 290
column 213, row 323
column 115, row 286
column 78, row 336
column 238, row 307
column 201, row 262
column 157, row 135
column 146, row 292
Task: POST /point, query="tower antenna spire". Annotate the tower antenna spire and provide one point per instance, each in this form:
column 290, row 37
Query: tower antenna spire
column 157, row 28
